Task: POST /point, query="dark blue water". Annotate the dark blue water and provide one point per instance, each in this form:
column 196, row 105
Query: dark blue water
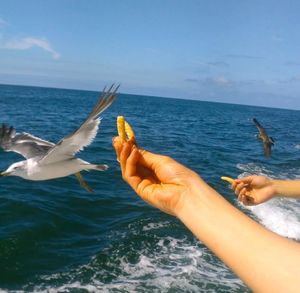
column 56, row 237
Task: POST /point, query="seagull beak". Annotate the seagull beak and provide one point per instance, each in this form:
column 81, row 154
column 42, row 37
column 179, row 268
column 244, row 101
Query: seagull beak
column 2, row 174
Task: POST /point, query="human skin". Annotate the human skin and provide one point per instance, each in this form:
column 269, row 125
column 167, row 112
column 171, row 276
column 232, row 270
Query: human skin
column 253, row 190
column 265, row 261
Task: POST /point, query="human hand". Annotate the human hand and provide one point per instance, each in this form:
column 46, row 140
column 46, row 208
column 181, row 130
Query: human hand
column 253, row 190
column 157, row 179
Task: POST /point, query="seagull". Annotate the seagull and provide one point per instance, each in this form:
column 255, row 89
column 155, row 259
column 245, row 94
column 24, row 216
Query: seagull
column 268, row 142
column 46, row 160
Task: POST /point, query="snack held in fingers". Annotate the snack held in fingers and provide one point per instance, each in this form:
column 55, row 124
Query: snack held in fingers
column 129, row 131
column 228, row 179
column 121, row 127
column 125, row 131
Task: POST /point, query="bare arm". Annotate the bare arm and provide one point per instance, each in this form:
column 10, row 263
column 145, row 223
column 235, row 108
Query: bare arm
column 265, row 261
column 289, row 188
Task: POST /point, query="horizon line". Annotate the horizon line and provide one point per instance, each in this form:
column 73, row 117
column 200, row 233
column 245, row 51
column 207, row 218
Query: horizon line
column 144, row 95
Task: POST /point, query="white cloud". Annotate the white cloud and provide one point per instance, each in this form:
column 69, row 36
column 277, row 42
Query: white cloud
column 28, row 43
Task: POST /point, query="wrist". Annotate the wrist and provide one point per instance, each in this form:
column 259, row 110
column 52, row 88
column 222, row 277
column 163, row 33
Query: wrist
column 276, row 187
column 198, row 199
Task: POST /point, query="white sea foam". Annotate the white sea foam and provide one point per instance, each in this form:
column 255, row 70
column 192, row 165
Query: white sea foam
column 281, row 215
column 182, row 265
column 153, row 226
column 177, row 266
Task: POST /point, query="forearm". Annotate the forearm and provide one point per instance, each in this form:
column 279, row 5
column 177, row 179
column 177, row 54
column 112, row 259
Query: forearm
column 265, row 261
column 288, row 188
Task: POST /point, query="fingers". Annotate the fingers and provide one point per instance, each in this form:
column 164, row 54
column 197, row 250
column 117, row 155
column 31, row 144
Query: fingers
column 117, row 144
column 241, row 189
column 244, row 195
column 146, row 158
column 241, row 194
column 238, row 187
column 128, row 156
column 123, row 150
column 247, row 200
column 132, row 159
column 124, row 154
column 130, row 169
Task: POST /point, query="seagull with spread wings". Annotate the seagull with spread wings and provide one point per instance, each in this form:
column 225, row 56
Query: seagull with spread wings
column 267, row 141
column 46, row 160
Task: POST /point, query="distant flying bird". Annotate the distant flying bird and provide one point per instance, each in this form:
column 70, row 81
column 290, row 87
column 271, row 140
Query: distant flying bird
column 46, row 160
column 268, row 142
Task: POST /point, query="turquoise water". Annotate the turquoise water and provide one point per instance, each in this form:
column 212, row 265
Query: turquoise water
column 56, row 237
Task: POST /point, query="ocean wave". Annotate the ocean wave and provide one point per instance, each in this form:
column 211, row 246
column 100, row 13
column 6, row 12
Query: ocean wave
column 171, row 263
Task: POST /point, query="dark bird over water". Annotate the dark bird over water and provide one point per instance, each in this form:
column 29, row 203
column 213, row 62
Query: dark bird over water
column 268, row 142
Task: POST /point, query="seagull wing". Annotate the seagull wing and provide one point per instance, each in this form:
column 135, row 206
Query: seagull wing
column 23, row 143
column 84, row 135
column 260, row 128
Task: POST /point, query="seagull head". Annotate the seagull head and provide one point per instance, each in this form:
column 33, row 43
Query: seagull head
column 16, row 169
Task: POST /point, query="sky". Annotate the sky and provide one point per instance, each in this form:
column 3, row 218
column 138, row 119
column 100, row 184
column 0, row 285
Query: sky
column 233, row 51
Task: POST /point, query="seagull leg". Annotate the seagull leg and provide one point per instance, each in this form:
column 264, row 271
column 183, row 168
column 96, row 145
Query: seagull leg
column 83, row 182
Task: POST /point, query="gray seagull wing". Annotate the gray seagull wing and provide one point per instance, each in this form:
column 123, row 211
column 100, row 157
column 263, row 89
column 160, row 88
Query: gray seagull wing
column 25, row 144
column 84, row 135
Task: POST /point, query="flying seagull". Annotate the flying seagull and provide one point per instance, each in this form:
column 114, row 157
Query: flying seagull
column 268, row 142
column 46, row 160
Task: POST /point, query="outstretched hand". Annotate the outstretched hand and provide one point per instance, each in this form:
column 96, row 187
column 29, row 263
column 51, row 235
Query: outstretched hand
column 157, row 179
column 253, row 190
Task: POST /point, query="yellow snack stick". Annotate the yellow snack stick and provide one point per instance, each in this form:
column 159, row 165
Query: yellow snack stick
column 228, row 179
column 121, row 127
column 129, row 131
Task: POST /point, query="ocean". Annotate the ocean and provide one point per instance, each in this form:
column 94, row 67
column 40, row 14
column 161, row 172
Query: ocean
column 56, row 237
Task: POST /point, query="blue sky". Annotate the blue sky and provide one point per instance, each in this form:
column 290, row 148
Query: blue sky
column 245, row 52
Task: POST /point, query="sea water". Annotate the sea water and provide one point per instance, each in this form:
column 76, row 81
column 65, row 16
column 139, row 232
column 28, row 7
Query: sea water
column 57, row 237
